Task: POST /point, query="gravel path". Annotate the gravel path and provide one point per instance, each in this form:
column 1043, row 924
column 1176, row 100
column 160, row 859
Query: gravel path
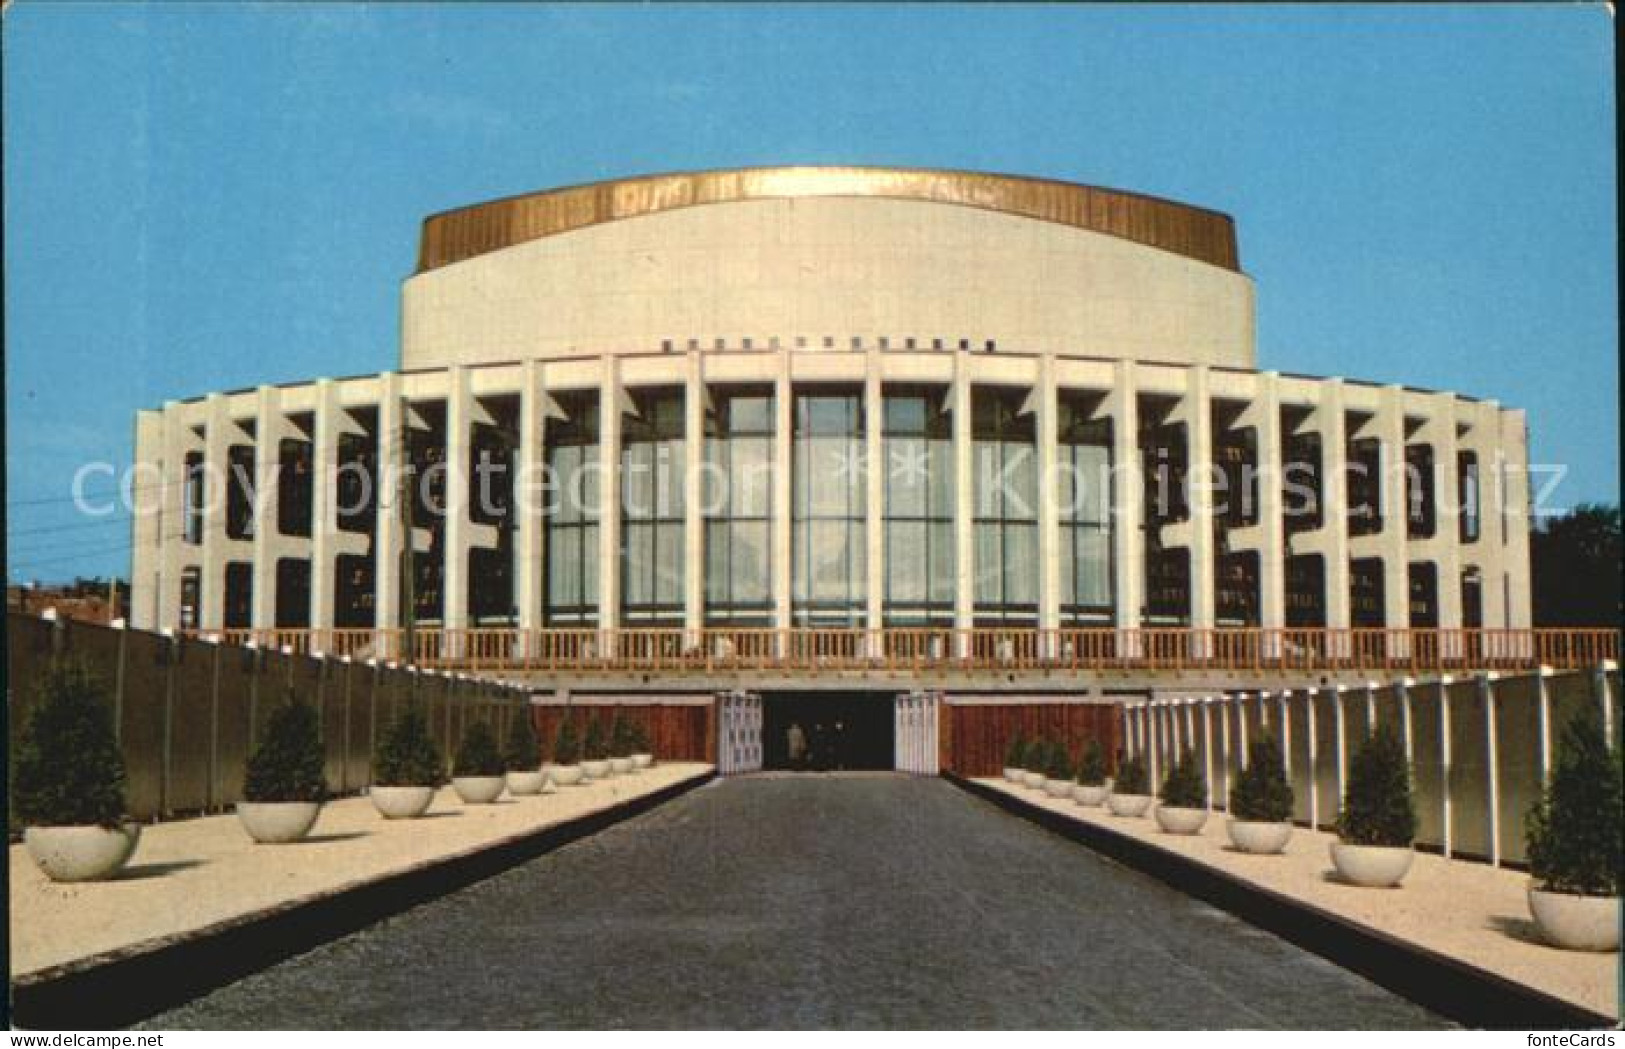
column 853, row 902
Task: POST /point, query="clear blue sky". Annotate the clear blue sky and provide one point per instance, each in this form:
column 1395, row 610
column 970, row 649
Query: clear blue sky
column 204, row 198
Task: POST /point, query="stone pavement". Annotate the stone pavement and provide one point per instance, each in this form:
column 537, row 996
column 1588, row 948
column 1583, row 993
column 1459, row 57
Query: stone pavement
column 862, row 901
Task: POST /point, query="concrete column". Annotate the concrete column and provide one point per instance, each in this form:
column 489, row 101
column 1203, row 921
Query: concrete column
column 532, row 495
column 1311, row 730
column 1444, row 549
column 1049, row 517
column 1207, row 749
column 783, row 462
column 693, row 494
column 146, row 496
column 216, row 439
column 874, row 476
column 964, row 504
column 391, row 466
column 324, row 515
column 1393, row 540
column 1516, row 510
column 1492, row 761
column 1444, row 761
column 454, row 571
column 1199, row 435
column 269, row 427
column 609, row 498
column 1127, row 506
column 1488, row 554
column 1335, row 521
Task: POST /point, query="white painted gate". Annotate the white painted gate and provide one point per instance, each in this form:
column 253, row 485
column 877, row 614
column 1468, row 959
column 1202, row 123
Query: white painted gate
column 739, row 732
column 915, row 732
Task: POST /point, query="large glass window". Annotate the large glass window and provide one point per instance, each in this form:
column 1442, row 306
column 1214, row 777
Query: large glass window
column 1005, row 482
column 293, row 593
column 738, row 502
column 827, row 518
column 1364, row 496
column 571, row 534
column 1084, row 498
column 1420, row 513
column 1424, row 595
column 1467, row 485
column 238, row 610
column 426, row 452
column 193, row 497
column 295, row 487
column 356, row 484
column 1165, row 462
column 652, row 472
column 240, row 492
column 919, row 508
column 354, row 604
column 1303, row 492
column 1367, row 593
column 1306, row 591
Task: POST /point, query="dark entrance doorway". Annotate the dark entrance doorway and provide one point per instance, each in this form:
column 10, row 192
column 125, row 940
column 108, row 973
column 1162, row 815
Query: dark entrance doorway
column 839, row 731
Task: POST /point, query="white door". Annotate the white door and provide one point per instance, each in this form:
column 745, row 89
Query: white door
column 915, row 732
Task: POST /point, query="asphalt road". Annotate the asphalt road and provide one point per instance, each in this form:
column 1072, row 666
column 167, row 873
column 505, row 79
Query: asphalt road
column 810, row 902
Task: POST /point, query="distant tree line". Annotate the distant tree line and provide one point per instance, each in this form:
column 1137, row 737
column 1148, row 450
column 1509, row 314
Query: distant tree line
column 1575, row 565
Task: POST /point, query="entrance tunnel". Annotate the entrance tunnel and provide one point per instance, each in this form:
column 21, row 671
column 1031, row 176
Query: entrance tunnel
column 828, row 731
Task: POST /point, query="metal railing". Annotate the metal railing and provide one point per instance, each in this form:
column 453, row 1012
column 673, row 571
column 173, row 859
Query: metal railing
column 807, row 650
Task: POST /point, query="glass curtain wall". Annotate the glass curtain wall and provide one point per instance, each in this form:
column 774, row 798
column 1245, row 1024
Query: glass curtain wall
column 1084, row 459
column 827, row 510
column 739, row 508
column 652, row 473
column 570, row 534
column 1005, row 472
column 919, row 508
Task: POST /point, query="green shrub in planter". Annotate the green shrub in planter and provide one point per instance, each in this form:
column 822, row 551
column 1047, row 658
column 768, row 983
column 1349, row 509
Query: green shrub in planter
column 622, row 744
column 596, row 747
column 1183, row 788
column 640, row 738
column 567, row 743
column 524, row 751
column 1576, row 832
column 69, row 771
column 289, row 764
column 1092, row 765
column 477, row 755
column 1015, row 755
column 1262, row 792
column 407, row 756
column 1132, row 778
column 1378, row 808
column 1057, row 765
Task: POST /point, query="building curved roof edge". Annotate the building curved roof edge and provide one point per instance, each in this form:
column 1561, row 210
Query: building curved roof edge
column 478, row 229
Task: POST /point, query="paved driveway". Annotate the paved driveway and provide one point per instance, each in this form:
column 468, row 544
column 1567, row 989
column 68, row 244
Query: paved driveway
column 871, row 901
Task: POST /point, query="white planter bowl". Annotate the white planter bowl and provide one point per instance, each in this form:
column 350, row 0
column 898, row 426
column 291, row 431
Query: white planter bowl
column 87, row 853
column 1128, row 804
column 642, row 761
column 1259, row 837
column 565, row 775
column 595, row 769
column 477, row 790
column 1576, row 923
column 1091, row 796
column 278, row 822
column 1374, row 866
column 1176, row 819
column 1058, row 788
column 525, row 781
column 1012, row 775
column 401, row 803
column 1035, row 780
column 620, row 766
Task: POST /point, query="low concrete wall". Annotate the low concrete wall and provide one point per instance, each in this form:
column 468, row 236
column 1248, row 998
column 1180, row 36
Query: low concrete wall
column 188, row 713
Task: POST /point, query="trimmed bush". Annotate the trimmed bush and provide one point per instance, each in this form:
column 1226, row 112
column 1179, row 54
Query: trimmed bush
column 69, row 771
column 477, row 755
column 1057, row 765
column 289, row 764
column 1262, row 792
column 1183, row 788
column 640, row 739
column 567, row 743
column 1378, row 808
column 524, row 751
column 1132, row 777
column 622, row 744
column 408, row 757
column 596, row 746
column 1015, row 755
column 1576, row 832
column 1092, row 765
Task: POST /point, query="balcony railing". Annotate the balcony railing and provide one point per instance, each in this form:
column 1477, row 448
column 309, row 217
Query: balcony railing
column 812, row 651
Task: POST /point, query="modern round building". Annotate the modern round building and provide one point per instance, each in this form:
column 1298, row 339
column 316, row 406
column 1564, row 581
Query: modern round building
column 794, row 422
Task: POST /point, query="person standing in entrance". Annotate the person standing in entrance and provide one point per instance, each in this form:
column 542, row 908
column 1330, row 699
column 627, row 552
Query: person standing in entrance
column 796, row 744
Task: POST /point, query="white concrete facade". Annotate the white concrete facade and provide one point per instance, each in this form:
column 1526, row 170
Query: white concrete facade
column 871, row 297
